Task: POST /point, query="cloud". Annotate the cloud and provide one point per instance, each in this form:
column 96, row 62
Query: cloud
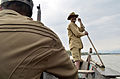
column 108, row 25
column 103, row 20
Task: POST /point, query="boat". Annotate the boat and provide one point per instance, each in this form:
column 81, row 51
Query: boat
column 89, row 69
column 92, row 70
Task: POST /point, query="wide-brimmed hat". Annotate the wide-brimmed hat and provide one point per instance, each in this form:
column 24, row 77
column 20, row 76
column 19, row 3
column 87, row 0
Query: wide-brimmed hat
column 71, row 15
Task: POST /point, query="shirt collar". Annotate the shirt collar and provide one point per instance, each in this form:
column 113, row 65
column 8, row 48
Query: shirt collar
column 7, row 11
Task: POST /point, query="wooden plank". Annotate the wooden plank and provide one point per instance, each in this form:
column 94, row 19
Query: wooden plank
column 86, row 71
column 84, row 66
column 108, row 72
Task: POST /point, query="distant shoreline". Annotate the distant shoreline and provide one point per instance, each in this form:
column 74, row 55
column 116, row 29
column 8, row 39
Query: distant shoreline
column 86, row 53
column 107, row 54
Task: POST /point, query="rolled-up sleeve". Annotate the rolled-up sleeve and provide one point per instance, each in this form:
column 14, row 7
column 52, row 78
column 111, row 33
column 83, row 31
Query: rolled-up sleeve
column 82, row 27
column 76, row 31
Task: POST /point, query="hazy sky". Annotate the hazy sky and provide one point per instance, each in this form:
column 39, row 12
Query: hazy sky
column 100, row 17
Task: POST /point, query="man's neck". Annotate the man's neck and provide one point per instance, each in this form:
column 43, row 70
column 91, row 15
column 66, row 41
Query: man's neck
column 73, row 21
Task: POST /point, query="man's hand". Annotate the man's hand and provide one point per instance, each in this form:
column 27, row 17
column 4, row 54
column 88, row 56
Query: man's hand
column 85, row 32
column 79, row 19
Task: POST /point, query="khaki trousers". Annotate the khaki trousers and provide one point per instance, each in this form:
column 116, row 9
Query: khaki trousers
column 76, row 54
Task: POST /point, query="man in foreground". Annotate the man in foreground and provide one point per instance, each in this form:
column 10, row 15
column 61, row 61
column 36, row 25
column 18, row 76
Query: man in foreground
column 27, row 47
column 75, row 33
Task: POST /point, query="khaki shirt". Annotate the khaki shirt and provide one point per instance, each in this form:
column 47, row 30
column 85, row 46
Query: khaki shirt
column 74, row 34
column 27, row 48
